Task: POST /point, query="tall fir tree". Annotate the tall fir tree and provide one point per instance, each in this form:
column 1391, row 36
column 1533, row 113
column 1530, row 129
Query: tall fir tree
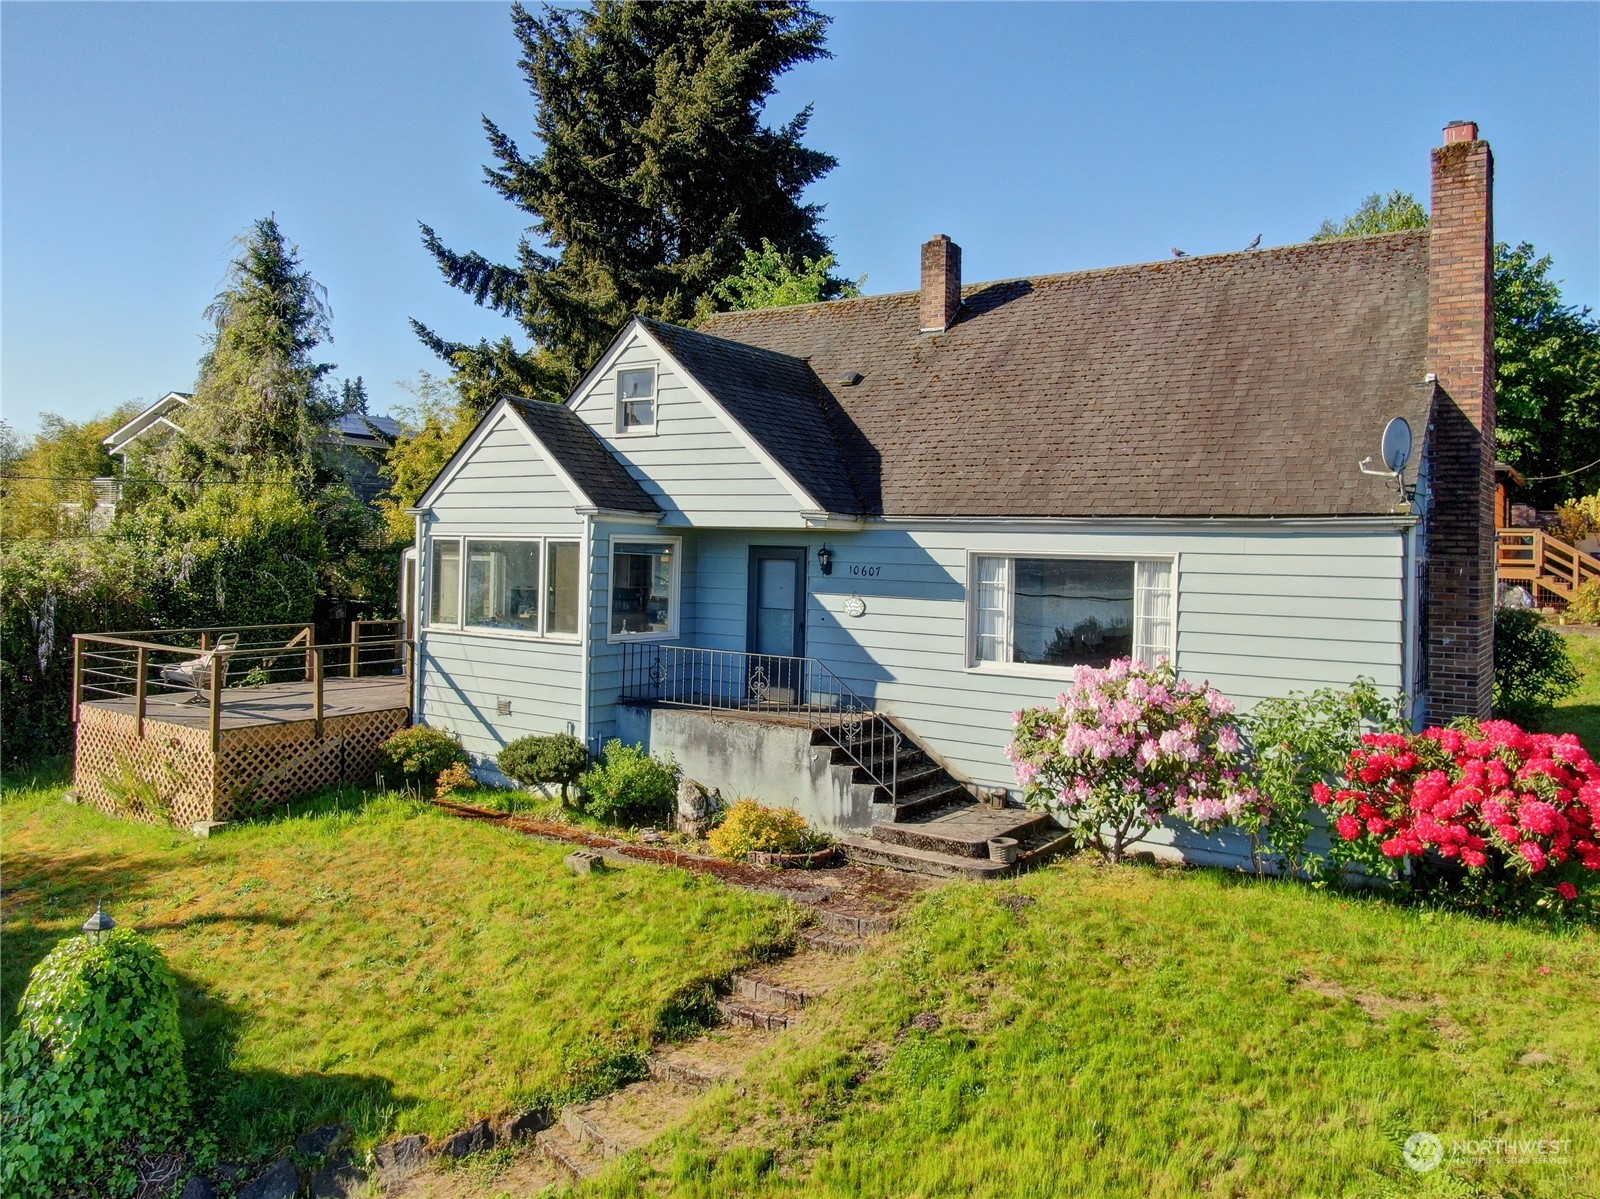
column 655, row 175
column 262, row 404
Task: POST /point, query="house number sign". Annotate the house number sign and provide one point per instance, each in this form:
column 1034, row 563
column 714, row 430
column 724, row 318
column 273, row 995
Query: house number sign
column 866, row 572
column 855, row 606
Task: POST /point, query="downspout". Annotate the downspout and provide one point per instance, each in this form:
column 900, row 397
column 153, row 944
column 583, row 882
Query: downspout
column 586, row 628
column 418, row 615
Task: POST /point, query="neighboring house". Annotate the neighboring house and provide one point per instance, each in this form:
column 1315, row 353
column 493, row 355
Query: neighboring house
column 356, row 437
column 936, row 503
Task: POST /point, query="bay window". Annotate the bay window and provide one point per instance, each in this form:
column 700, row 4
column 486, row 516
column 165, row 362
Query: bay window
column 1065, row 612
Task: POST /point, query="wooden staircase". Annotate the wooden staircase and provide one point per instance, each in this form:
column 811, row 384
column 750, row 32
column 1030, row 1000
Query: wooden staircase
column 1550, row 568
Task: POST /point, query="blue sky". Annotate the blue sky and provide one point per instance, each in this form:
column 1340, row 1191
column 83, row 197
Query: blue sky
column 139, row 139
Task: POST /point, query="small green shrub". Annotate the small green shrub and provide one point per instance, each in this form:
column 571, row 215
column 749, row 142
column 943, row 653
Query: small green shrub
column 628, row 786
column 455, row 779
column 93, row 1067
column 750, row 827
column 1585, row 605
column 1531, row 667
column 420, row 755
column 535, row 761
column 1299, row 740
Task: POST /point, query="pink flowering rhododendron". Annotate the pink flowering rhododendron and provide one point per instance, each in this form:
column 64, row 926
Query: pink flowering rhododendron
column 1127, row 746
column 1486, row 795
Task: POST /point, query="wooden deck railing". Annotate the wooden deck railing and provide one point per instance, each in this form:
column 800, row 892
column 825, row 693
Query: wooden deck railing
column 119, row 666
column 1533, row 556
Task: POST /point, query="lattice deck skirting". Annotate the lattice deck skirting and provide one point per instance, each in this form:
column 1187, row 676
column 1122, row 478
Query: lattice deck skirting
column 171, row 774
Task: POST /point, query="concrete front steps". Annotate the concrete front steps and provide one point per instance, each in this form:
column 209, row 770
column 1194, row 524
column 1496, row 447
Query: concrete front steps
column 763, row 1001
column 952, row 841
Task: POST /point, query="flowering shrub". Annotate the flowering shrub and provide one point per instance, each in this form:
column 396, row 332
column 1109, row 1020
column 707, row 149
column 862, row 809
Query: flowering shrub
column 1522, row 808
column 1127, row 746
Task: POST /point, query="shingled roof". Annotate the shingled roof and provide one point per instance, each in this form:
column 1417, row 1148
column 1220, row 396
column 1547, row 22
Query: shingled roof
column 1235, row 385
column 585, row 459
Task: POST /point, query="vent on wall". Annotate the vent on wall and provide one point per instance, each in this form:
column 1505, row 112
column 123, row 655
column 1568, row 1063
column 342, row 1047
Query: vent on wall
column 503, row 707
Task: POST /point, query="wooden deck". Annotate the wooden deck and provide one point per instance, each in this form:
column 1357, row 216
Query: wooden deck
column 268, row 747
column 275, row 703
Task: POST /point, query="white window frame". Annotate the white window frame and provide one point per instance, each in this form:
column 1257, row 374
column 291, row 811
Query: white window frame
column 674, row 591
column 1039, row 670
column 463, row 540
column 649, row 430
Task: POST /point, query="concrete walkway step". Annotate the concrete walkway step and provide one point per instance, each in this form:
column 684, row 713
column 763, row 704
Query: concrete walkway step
column 771, row 994
column 747, row 1013
column 962, row 829
column 568, row 1153
column 871, row 852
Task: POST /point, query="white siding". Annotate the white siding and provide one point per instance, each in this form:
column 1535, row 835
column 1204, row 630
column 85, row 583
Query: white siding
column 694, row 465
column 504, row 488
column 605, row 659
column 1258, row 615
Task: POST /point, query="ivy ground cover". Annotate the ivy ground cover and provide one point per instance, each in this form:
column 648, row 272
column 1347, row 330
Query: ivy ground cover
column 1154, row 1032
column 370, row 960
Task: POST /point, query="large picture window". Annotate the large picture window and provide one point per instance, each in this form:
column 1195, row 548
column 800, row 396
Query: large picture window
column 503, row 585
column 644, row 586
column 497, row 586
column 1070, row 611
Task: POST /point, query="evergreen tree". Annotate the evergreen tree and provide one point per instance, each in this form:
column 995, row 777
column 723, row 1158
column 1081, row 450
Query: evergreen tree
column 262, row 405
column 1547, row 358
column 654, row 176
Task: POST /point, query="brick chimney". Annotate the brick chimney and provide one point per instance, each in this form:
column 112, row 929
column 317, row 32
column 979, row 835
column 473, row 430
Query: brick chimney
column 941, row 284
column 1460, row 523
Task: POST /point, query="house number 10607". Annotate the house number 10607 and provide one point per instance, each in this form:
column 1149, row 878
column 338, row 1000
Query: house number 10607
column 865, row 572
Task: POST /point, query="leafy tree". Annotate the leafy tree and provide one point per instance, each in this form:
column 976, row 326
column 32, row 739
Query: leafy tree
column 48, row 489
column 655, row 175
column 1377, row 214
column 1547, row 358
column 262, row 405
column 436, row 424
column 769, row 278
column 1547, row 387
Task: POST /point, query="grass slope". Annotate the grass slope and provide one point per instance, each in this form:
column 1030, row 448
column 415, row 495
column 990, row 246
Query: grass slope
column 1155, row 1032
column 372, row 961
column 1580, row 712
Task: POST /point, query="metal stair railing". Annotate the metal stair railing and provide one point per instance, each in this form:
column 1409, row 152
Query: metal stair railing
column 771, row 685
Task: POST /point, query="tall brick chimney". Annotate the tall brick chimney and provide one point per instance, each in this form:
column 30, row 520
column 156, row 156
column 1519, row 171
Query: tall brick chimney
column 941, row 284
column 1460, row 523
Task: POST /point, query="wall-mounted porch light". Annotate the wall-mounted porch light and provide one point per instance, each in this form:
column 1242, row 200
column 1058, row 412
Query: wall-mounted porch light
column 825, row 560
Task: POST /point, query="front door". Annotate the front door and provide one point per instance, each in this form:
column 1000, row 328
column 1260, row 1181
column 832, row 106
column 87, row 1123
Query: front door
column 776, row 625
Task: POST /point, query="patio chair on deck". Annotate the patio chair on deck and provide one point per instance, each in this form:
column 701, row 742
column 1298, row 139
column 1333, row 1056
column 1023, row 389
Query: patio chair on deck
column 196, row 672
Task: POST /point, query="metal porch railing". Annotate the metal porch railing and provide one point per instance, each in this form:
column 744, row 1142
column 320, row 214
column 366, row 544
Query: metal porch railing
column 771, row 685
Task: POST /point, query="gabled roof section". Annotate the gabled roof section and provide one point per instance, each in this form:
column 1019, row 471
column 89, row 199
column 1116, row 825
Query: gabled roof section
column 582, row 457
column 157, row 413
column 1233, row 385
column 779, row 402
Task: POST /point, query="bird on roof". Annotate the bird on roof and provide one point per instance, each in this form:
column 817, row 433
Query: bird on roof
column 1255, row 243
column 1177, row 253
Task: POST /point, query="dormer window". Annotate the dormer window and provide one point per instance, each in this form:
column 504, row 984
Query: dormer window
column 636, row 400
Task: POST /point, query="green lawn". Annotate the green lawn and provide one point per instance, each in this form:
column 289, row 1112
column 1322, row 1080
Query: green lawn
column 1159, row 1032
column 373, row 961
column 1580, row 713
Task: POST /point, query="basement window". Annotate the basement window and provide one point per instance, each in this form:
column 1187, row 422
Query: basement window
column 1064, row 612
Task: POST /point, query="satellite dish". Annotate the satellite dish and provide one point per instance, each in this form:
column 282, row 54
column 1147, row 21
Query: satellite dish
column 1396, row 446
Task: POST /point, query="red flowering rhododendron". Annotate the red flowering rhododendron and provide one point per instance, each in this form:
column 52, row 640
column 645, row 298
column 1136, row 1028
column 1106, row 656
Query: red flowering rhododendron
column 1481, row 794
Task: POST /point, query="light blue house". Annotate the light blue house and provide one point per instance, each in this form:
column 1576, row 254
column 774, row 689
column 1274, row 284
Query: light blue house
column 822, row 553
